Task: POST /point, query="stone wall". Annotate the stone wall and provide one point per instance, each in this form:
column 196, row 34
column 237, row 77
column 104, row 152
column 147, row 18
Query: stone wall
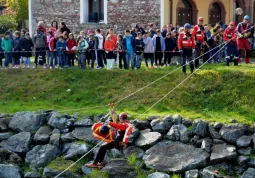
column 120, row 15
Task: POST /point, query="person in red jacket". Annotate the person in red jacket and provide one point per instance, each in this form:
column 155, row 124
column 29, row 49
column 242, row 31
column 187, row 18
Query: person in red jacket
column 199, row 36
column 52, row 49
column 124, row 129
column 186, row 45
column 109, row 47
column 71, row 46
column 230, row 36
column 244, row 32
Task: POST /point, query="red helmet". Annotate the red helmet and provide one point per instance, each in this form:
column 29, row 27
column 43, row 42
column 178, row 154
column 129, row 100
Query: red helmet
column 200, row 19
column 123, row 116
column 232, row 23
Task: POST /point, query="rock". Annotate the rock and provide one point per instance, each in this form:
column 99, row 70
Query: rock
column 138, row 152
column 250, row 173
column 151, row 118
column 217, row 141
column 245, row 151
column 200, row 128
column 148, row 139
column 60, row 122
column 158, row 175
column 222, row 152
column 75, row 151
column 42, row 135
column 8, row 157
column 168, row 156
column 116, row 168
column 206, row 146
column 48, row 172
column 217, row 126
column 5, row 135
column 27, row 121
column 68, row 137
column 83, row 123
column 214, row 134
column 187, row 122
column 18, row 143
column 141, row 125
column 192, row 174
column 41, row 155
column 242, row 160
column 64, row 131
column 253, row 142
column 217, row 171
column 32, row 175
column 178, row 133
column 159, row 126
column 244, row 141
column 133, row 136
column 194, row 140
column 184, row 133
column 231, row 132
column 177, row 119
column 116, row 153
column 173, row 133
column 86, row 170
column 4, row 122
column 84, row 133
column 251, row 163
column 55, row 139
column 55, row 131
column 98, row 117
column 10, row 171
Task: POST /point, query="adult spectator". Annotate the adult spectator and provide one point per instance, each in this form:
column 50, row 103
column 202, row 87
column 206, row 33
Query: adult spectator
column 64, row 28
column 54, row 27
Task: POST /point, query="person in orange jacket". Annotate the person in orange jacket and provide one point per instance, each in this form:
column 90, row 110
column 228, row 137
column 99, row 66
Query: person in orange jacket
column 112, row 139
column 186, row 45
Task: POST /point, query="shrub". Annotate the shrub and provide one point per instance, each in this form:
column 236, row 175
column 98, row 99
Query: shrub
column 7, row 22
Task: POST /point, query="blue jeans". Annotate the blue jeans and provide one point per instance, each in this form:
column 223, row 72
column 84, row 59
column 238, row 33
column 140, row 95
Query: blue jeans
column 138, row 61
column 53, row 55
column 61, row 58
column 27, row 61
column 7, row 59
column 130, row 57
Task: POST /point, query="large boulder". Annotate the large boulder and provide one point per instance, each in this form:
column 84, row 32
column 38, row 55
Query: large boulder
column 18, row 143
column 75, row 150
column 253, row 142
column 10, row 171
column 138, row 152
column 231, row 132
column 49, row 172
column 5, row 135
column 27, row 121
column 251, row 163
column 192, row 173
column 250, row 173
column 244, row 141
column 160, row 126
column 4, row 122
column 214, row 134
column 147, row 139
column 117, row 168
column 41, row 155
column 222, row 152
column 68, row 137
column 32, row 174
column 158, row 175
column 178, row 133
column 141, row 124
column 86, row 122
column 84, row 133
column 245, row 151
column 55, row 139
column 200, row 128
column 133, row 136
column 8, row 157
column 42, row 135
column 168, row 156
column 218, row 171
column 60, row 122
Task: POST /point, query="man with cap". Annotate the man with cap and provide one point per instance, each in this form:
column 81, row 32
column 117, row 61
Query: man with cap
column 199, row 36
column 244, row 31
column 186, row 45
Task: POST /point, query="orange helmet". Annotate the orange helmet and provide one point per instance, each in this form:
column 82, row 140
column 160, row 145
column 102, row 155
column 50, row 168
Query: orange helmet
column 232, row 23
column 123, row 116
column 200, row 19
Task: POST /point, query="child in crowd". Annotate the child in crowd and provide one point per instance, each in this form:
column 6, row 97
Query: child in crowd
column 171, row 47
column 65, row 36
column 109, row 47
column 16, row 50
column 148, row 49
column 221, row 41
column 82, row 47
column 214, row 43
column 61, row 47
column 129, row 47
column 139, row 49
column 120, row 52
column 26, row 46
column 52, row 48
column 1, row 54
column 82, row 34
column 152, row 29
column 40, row 43
column 91, row 55
column 49, row 36
column 6, row 45
column 99, row 45
column 71, row 46
column 159, row 45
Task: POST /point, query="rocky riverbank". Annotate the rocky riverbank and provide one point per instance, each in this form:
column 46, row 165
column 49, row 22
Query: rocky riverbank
column 30, row 144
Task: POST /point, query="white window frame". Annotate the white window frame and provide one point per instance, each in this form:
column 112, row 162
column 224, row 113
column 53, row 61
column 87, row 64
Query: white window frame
column 84, row 14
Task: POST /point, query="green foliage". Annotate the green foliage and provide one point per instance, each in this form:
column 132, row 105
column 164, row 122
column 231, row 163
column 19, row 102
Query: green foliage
column 7, row 22
column 176, row 176
column 132, row 160
column 19, row 8
column 97, row 174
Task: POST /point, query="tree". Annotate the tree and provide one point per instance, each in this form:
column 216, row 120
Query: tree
column 19, row 8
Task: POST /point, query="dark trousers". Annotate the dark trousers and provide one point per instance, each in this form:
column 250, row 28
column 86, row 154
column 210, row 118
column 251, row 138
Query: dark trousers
column 122, row 57
column 158, row 58
column 82, row 60
column 91, row 58
column 102, row 151
column 40, row 52
column 71, row 59
column 99, row 59
column 187, row 55
column 104, row 57
column 15, row 60
column 61, row 58
column 168, row 57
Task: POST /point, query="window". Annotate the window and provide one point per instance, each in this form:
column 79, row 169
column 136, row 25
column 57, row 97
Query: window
column 93, row 11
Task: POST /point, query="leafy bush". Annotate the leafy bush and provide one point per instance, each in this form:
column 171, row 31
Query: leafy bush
column 7, row 22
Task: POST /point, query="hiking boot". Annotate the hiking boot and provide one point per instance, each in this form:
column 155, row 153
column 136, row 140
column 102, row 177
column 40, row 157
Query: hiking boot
column 92, row 165
column 100, row 165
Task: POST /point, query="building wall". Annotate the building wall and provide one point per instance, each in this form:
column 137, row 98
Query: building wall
column 122, row 15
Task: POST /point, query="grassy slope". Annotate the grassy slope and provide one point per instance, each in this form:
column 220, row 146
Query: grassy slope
column 217, row 93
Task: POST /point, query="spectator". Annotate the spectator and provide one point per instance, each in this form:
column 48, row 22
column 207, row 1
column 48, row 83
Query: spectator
column 54, row 27
column 71, row 46
column 91, row 55
column 1, row 54
column 40, row 43
column 82, row 47
column 164, row 31
column 129, row 47
column 16, row 50
column 52, row 49
column 99, row 45
column 148, row 49
column 49, row 36
column 139, row 49
column 61, row 47
column 171, row 46
column 6, row 45
column 109, row 47
column 63, row 28
column 120, row 52
column 26, row 46
column 152, row 29
column 41, row 25
column 159, row 45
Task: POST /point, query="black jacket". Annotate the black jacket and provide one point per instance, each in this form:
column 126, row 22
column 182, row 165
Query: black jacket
column 26, row 45
column 171, row 44
column 139, row 46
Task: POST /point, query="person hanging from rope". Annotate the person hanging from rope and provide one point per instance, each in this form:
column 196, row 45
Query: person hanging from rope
column 244, row 32
column 186, row 45
column 115, row 137
column 199, row 35
column 231, row 36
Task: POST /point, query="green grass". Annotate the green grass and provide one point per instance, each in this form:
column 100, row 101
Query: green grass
column 216, row 93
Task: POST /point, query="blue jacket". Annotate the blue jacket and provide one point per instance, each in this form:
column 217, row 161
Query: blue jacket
column 125, row 43
column 162, row 42
column 63, row 45
column 1, row 50
column 16, row 44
